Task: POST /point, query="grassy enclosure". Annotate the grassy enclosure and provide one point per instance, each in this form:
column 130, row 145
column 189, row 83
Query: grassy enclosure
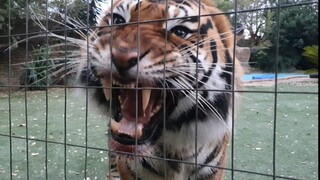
column 58, row 116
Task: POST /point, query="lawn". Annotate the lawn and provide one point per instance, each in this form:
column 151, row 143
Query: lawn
column 296, row 137
column 64, row 117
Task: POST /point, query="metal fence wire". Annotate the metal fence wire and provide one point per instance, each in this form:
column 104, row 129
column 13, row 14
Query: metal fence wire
column 50, row 131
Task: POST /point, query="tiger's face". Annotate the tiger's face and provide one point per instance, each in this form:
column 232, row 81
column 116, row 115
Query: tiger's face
column 154, row 60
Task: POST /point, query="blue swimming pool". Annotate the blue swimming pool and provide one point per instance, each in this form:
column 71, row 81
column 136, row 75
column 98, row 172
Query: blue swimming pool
column 266, row 76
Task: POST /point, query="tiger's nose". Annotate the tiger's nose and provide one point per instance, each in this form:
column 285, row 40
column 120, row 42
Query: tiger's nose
column 123, row 61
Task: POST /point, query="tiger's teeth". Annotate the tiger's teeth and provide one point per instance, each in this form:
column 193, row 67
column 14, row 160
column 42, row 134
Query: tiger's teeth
column 139, row 131
column 115, row 126
column 106, row 84
column 145, row 99
column 107, row 93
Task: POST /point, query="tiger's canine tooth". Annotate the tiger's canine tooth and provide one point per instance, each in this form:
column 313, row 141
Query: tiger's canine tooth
column 139, row 132
column 107, row 93
column 114, row 125
column 106, row 85
column 145, row 99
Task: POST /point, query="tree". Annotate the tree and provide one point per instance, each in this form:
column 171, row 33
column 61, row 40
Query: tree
column 20, row 13
column 86, row 11
column 249, row 15
column 17, row 19
column 298, row 29
column 90, row 12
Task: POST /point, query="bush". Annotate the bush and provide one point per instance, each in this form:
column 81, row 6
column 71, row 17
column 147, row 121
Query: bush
column 311, row 54
column 298, row 27
column 258, row 59
column 39, row 69
column 265, row 60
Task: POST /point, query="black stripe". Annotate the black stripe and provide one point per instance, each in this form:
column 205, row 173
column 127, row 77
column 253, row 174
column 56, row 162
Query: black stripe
column 205, row 78
column 182, row 46
column 207, row 74
column 163, row 13
column 137, row 6
column 190, row 19
column 174, row 165
column 228, row 70
column 213, row 48
column 208, row 175
column 157, row 1
column 221, row 105
column 201, row 44
column 228, row 57
column 193, row 42
column 184, row 10
column 209, row 158
column 148, row 167
column 186, row 118
column 144, row 54
column 194, row 58
column 179, row 2
column 88, row 76
column 132, row 173
column 213, row 154
column 191, row 79
column 205, row 27
column 185, row 3
column 178, row 157
column 121, row 7
column 147, row 7
column 213, row 171
column 100, row 32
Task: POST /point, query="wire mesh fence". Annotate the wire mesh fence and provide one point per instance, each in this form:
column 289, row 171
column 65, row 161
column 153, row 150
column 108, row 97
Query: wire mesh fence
column 50, row 131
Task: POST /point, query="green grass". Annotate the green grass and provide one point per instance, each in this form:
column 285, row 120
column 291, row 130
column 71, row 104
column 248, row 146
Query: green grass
column 64, row 120
column 296, row 144
column 296, row 137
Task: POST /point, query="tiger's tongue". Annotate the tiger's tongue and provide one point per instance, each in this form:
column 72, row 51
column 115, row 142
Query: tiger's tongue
column 136, row 111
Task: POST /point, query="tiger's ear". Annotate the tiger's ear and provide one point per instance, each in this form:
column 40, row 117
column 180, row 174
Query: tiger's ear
column 222, row 24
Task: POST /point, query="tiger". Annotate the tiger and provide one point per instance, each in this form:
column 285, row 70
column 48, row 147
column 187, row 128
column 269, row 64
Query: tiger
column 166, row 74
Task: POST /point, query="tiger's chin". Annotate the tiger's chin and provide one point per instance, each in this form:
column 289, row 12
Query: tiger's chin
column 137, row 110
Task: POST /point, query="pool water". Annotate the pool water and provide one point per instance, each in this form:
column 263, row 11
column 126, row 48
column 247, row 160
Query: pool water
column 267, row 76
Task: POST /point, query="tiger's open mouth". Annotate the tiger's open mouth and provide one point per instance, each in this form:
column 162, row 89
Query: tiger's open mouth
column 136, row 111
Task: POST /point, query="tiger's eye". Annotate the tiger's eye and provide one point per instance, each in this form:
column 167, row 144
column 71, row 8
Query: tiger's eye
column 118, row 19
column 180, row 31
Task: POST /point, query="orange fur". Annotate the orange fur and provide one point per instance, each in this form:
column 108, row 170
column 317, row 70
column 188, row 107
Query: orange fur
column 125, row 47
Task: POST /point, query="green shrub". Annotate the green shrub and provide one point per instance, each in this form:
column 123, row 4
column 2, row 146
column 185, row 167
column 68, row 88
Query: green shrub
column 39, row 69
column 287, row 63
column 258, row 59
column 265, row 60
column 311, row 55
